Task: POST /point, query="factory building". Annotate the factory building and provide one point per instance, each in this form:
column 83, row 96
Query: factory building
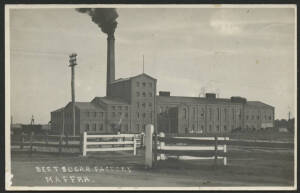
column 132, row 103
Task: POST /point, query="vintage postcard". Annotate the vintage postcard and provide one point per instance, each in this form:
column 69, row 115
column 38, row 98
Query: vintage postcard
column 151, row 97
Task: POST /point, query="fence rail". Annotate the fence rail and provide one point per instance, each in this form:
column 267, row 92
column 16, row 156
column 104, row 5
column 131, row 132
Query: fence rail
column 122, row 140
column 197, row 147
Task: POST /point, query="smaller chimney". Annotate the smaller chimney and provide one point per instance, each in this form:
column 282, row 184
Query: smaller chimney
column 164, row 93
column 210, row 95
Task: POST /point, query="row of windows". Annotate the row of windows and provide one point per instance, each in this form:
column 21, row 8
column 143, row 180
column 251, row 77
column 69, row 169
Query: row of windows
column 143, row 104
column 211, row 114
column 144, row 94
column 95, row 114
column 144, row 84
column 143, row 115
column 119, row 108
column 93, row 127
column 258, row 117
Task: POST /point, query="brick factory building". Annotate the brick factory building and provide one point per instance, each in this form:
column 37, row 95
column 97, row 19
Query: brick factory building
column 132, row 103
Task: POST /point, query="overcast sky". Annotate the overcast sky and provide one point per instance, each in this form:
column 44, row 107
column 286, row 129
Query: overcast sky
column 245, row 52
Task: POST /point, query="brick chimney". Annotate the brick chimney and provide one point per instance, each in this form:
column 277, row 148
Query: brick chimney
column 110, row 75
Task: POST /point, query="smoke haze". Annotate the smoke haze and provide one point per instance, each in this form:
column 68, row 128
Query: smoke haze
column 105, row 18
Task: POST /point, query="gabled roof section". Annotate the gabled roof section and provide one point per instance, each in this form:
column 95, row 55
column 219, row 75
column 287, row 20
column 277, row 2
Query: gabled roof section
column 111, row 100
column 57, row 110
column 129, row 78
column 258, row 104
column 85, row 106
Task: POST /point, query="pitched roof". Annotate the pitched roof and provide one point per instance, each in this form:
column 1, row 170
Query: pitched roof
column 258, row 104
column 129, row 78
column 112, row 100
column 57, row 110
column 86, row 105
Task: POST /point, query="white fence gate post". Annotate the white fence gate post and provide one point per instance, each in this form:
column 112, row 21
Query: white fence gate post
column 148, row 146
column 84, row 144
column 225, row 152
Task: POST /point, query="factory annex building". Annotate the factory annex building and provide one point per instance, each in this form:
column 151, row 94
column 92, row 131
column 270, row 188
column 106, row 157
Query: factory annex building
column 132, row 103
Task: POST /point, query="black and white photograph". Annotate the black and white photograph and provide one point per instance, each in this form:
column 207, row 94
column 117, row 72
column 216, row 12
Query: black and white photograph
column 151, row 97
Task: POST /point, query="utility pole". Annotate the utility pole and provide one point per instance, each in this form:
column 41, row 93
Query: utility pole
column 72, row 65
column 143, row 65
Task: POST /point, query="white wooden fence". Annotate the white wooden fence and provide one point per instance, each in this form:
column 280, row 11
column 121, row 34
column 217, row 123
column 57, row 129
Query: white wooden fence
column 186, row 148
column 120, row 142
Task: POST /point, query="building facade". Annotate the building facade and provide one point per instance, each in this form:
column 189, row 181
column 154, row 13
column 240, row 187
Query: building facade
column 132, row 104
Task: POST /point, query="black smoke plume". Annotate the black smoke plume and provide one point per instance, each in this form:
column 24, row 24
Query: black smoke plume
column 105, row 18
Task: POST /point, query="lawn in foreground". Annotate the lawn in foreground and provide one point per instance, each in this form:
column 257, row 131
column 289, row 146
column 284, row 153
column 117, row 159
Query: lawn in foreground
column 246, row 168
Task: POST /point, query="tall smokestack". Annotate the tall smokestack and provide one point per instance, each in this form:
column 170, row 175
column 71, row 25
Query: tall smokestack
column 105, row 18
column 110, row 75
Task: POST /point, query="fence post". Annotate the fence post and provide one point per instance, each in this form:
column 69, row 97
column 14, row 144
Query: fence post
column 84, row 144
column 134, row 146
column 22, row 140
column 60, row 144
column 148, row 146
column 225, row 151
column 67, row 139
column 81, row 143
column 161, row 146
column 31, row 143
column 46, row 138
column 216, row 151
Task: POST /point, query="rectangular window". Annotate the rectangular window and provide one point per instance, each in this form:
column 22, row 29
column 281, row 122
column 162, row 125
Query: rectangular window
column 150, row 94
column 137, row 94
column 218, row 114
column 101, row 127
column 138, row 127
column 113, row 108
column 232, row 114
column 87, row 127
column 94, row 127
column 144, row 94
column 138, row 115
column 120, row 114
column 143, row 105
column 257, row 117
column 137, row 84
column 225, row 114
column 144, row 84
column 120, row 107
column 210, row 114
column 138, row 104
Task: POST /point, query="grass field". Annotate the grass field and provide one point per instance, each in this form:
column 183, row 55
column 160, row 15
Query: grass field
column 246, row 167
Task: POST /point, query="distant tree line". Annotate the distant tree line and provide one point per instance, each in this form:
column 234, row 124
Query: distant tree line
column 283, row 123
